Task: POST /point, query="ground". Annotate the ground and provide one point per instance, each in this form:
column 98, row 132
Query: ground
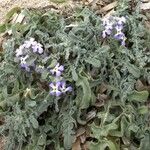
column 6, row 5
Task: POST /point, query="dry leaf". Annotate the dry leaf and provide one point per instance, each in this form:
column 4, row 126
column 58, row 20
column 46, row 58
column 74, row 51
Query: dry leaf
column 91, row 115
column 139, row 85
column 80, row 131
column 108, row 7
column 76, row 145
column 145, row 6
column 144, row 0
column 1, row 42
column 15, row 16
column 20, row 18
column 103, row 88
column 2, row 143
column 85, row 146
column 83, row 138
column 110, row 13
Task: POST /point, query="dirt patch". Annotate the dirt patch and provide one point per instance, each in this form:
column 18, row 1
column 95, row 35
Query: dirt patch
column 6, row 5
column 2, row 143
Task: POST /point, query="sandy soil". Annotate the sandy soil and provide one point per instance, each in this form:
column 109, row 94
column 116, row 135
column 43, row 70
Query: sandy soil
column 6, row 5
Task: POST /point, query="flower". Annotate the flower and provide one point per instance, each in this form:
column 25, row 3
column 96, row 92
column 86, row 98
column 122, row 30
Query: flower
column 108, row 26
column 55, row 89
column 19, row 51
column 58, row 69
column 23, row 59
column 118, row 27
column 106, row 32
column 63, row 87
column 116, row 23
column 29, row 43
column 24, row 64
column 120, row 20
column 37, row 47
column 120, row 36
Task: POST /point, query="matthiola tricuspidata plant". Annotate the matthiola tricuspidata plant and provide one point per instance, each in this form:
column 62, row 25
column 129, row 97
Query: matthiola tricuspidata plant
column 76, row 81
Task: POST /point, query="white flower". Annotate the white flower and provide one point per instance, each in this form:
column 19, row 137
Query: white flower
column 29, row 43
column 23, row 59
column 19, row 51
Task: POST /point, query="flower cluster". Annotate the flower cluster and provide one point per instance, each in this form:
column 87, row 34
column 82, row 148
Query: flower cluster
column 114, row 25
column 22, row 53
column 58, row 88
column 29, row 49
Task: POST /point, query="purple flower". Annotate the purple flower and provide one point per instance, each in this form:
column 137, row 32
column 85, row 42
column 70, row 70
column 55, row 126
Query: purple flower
column 117, row 23
column 58, row 69
column 108, row 26
column 29, row 43
column 55, row 89
column 24, row 64
column 37, row 47
column 118, row 27
column 65, row 89
column 119, row 36
column 123, row 42
column 106, row 32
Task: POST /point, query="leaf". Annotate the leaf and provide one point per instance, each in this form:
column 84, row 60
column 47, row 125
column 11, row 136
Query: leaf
column 141, row 96
column 58, row 1
column 31, row 61
column 93, row 61
column 74, row 74
column 123, row 127
column 134, row 70
column 31, row 103
column 145, row 144
column 44, row 74
column 85, row 93
column 99, row 131
column 12, row 12
column 42, row 140
column 103, row 144
column 143, row 110
column 2, row 28
column 34, row 122
column 67, row 129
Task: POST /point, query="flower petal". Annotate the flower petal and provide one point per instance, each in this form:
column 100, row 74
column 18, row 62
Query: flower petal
column 34, row 48
column 40, row 50
column 58, row 93
column 52, row 85
column 58, row 84
column 58, row 73
column 69, row 89
column 52, row 93
column 63, row 84
column 104, row 34
column 61, row 68
column 52, row 71
column 57, row 65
